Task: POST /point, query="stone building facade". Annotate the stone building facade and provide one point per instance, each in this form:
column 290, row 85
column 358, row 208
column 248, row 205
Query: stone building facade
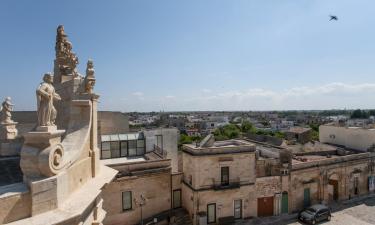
column 219, row 181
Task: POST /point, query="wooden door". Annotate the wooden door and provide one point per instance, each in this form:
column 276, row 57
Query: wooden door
column 335, row 185
column 265, row 206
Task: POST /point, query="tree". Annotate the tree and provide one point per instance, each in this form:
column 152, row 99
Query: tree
column 371, row 112
column 247, row 127
column 228, row 131
column 359, row 114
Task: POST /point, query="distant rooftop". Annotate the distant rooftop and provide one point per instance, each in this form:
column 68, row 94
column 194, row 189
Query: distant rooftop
column 298, row 130
column 220, row 147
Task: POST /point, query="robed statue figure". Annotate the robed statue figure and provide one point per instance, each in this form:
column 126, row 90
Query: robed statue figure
column 45, row 96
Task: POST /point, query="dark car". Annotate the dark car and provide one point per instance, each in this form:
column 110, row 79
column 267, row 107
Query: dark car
column 314, row 214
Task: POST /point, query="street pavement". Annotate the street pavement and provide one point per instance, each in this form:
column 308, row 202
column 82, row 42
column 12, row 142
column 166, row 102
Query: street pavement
column 352, row 212
column 357, row 213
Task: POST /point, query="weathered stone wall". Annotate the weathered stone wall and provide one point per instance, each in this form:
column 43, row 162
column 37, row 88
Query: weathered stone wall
column 225, row 201
column 188, row 200
column 300, row 180
column 205, row 170
column 267, row 186
column 177, row 181
column 317, row 179
column 267, row 167
column 156, row 188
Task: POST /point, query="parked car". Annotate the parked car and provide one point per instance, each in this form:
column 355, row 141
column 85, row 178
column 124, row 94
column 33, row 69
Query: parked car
column 314, row 214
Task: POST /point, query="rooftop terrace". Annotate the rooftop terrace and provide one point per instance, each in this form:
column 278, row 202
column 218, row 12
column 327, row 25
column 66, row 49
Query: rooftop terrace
column 220, row 147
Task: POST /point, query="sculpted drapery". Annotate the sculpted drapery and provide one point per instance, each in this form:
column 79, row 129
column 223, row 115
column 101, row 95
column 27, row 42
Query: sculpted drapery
column 45, row 97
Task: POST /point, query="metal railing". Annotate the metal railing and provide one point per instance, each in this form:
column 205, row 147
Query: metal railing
column 160, row 151
column 219, row 185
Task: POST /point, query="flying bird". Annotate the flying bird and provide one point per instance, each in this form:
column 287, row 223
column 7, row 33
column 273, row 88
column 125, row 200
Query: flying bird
column 333, row 18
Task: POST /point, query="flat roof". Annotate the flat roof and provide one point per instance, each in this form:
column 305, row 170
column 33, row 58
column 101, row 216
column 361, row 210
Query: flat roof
column 220, row 147
column 112, row 161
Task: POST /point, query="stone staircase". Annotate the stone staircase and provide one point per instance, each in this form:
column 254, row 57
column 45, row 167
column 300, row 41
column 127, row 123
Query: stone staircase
column 182, row 217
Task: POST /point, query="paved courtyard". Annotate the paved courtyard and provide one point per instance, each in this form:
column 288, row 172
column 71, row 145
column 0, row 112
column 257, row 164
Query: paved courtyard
column 354, row 212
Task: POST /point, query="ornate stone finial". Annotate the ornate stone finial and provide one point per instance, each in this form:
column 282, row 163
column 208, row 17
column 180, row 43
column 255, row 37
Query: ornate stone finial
column 45, row 97
column 66, row 60
column 6, row 109
column 8, row 128
column 90, row 77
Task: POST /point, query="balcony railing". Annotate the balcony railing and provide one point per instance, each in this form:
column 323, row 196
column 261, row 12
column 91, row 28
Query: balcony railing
column 218, row 185
column 160, row 151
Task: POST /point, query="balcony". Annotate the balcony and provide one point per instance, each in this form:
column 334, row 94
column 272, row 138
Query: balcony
column 218, row 185
column 160, row 151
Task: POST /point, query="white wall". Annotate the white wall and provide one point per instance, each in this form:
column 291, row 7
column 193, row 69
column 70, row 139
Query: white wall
column 170, row 139
column 354, row 138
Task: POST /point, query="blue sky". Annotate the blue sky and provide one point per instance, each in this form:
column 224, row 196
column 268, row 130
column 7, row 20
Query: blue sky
column 198, row 55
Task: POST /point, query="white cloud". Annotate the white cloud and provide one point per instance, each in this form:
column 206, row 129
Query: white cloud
column 139, row 95
column 206, row 90
column 326, row 96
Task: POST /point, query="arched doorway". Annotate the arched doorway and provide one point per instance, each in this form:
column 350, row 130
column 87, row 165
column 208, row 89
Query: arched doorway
column 284, row 202
column 333, row 187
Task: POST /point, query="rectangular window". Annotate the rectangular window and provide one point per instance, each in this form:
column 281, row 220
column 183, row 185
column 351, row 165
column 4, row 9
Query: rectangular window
column 225, row 175
column 115, row 149
column 124, row 148
column 132, row 148
column 140, row 147
column 159, row 141
column 127, row 201
column 106, row 153
column 211, row 213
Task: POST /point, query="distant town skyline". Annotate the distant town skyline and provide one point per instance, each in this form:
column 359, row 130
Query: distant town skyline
column 198, row 55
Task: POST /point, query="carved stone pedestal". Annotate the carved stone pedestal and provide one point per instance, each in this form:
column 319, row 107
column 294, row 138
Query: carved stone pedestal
column 8, row 131
column 42, row 154
column 41, row 159
column 10, row 144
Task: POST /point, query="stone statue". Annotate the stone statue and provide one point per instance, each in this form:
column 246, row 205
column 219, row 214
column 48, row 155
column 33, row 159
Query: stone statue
column 6, row 109
column 45, row 97
column 66, row 60
column 90, row 77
